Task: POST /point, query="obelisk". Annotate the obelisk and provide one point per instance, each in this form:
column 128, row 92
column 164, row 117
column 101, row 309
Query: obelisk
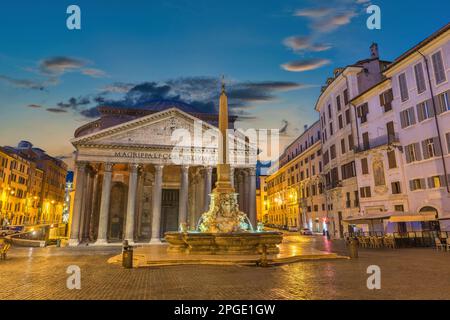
column 223, row 184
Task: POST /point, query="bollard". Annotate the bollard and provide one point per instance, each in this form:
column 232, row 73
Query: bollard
column 353, row 248
column 127, row 255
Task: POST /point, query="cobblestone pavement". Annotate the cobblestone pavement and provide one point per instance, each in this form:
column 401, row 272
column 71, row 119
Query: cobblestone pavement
column 405, row 274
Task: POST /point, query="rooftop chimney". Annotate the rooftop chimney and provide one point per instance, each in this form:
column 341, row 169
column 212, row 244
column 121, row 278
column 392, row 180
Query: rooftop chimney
column 374, row 50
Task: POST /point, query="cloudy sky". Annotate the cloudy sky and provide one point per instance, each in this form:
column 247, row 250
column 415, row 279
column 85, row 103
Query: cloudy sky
column 274, row 54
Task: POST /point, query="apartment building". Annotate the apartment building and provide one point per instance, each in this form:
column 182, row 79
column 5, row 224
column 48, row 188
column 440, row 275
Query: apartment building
column 295, row 192
column 31, row 185
column 340, row 134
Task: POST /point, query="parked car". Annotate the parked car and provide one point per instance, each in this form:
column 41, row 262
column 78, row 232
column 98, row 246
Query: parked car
column 6, row 231
column 306, row 232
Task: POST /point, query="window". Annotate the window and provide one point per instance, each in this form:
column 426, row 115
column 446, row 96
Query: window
column 338, row 102
column 363, row 110
column 431, row 148
column 438, row 66
column 346, row 99
column 348, row 203
column 340, row 121
column 403, row 87
column 417, row 184
column 335, row 176
column 364, row 166
column 351, row 145
column 442, row 103
column 348, row 170
column 420, row 79
column 399, row 208
column 365, row 192
column 366, row 142
column 424, row 110
column 391, row 159
column 396, row 188
column 326, row 158
column 331, row 128
column 333, row 152
column 343, row 146
column 329, row 112
column 347, row 116
column 390, row 131
column 412, row 153
column 356, row 198
column 386, row 100
column 436, row 182
column 407, row 117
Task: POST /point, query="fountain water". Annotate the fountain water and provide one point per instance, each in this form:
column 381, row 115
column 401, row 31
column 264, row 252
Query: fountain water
column 224, row 229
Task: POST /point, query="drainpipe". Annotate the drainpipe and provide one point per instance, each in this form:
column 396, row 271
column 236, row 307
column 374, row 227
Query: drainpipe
column 436, row 121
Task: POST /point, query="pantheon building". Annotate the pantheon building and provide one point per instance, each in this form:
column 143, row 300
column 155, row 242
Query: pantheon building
column 128, row 184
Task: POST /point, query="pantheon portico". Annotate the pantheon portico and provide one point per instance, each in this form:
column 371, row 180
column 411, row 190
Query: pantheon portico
column 129, row 186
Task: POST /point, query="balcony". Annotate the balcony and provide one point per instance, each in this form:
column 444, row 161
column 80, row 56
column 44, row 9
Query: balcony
column 377, row 142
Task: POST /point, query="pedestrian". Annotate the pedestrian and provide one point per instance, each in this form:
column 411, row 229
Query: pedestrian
column 328, row 235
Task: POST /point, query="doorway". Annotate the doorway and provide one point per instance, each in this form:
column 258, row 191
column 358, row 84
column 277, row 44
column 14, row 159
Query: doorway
column 169, row 210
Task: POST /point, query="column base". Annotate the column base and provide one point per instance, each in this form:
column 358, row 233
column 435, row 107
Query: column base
column 155, row 241
column 100, row 242
column 73, row 243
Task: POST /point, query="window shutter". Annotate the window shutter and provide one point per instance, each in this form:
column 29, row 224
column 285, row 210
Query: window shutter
column 417, row 151
column 422, row 183
column 403, row 87
column 402, row 119
column 407, row 154
column 420, row 112
column 437, row 147
column 429, row 106
column 411, row 185
column 382, row 101
column 438, row 66
column 425, row 150
column 412, row 116
column 420, row 80
column 430, row 183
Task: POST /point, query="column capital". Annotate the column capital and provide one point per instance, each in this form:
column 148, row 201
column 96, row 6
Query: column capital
column 158, row 167
column 134, row 167
column 81, row 165
column 184, row 168
column 108, row 166
column 251, row 171
column 208, row 169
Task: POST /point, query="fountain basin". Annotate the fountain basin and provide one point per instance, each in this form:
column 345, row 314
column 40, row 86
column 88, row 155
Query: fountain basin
column 236, row 243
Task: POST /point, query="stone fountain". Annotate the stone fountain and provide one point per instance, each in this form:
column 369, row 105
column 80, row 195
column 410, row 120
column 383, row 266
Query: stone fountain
column 223, row 229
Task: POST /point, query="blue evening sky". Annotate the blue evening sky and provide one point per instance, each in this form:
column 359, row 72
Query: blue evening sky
column 180, row 48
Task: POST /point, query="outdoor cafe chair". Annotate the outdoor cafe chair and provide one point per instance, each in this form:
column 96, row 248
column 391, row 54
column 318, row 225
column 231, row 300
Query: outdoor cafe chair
column 438, row 244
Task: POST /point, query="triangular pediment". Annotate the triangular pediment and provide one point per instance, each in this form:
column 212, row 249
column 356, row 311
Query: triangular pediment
column 158, row 129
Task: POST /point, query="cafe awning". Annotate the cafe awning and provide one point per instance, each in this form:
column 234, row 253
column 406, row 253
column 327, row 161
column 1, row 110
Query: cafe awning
column 367, row 218
column 412, row 217
column 392, row 217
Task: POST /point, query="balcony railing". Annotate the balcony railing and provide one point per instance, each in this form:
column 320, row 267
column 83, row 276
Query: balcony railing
column 378, row 142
